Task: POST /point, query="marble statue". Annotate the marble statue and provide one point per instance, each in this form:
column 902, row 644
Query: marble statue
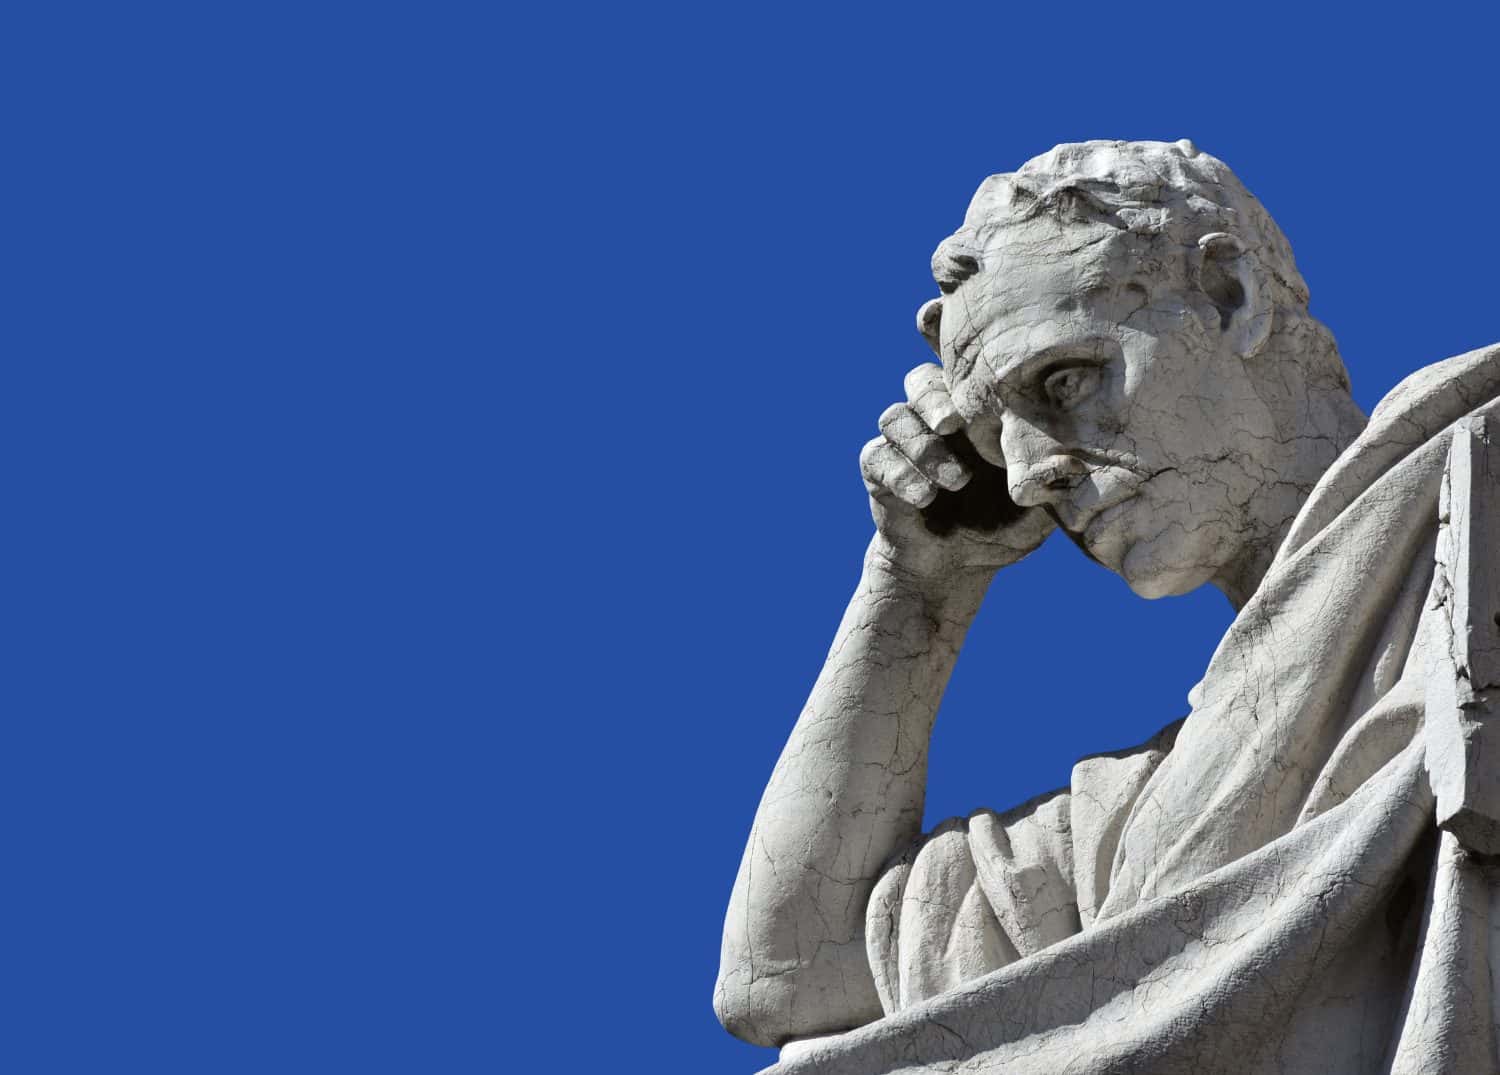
column 1294, row 878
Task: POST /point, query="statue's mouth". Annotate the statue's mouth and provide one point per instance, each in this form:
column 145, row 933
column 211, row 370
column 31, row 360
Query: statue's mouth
column 1096, row 526
column 1094, row 531
column 1097, row 500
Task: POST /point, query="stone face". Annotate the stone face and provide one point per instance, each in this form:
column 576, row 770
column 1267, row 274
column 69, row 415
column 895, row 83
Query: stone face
column 1125, row 355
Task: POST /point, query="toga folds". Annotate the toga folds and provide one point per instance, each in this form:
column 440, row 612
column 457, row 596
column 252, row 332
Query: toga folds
column 1262, row 886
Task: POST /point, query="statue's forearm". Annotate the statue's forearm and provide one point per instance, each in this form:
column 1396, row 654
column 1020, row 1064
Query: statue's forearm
column 846, row 793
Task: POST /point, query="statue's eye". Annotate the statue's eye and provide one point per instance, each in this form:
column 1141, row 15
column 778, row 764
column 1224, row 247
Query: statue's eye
column 1070, row 385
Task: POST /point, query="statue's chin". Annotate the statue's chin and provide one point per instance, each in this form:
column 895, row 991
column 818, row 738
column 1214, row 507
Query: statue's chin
column 1149, row 574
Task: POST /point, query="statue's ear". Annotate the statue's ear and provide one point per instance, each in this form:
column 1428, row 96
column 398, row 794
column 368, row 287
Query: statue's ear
column 930, row 322
column 1230, row 276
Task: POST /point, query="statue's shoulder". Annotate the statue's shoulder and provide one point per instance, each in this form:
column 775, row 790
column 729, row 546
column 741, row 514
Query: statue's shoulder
column 1472, row 377
column 1419, row 408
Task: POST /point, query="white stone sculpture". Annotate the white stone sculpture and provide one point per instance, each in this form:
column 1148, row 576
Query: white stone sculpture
column 1268, row 885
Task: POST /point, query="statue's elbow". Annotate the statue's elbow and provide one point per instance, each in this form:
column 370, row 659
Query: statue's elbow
column 741, row 1006
column 779, row 981
column 794, row 1004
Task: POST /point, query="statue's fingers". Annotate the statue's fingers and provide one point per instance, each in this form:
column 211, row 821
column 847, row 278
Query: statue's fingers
column 924, row 448
column 886, row 471
column 928, row 394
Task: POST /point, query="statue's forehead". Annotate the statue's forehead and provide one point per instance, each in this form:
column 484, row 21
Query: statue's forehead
column 1042, row 285
column 1026, row 289
column 1025, row 304
column 1008, row 312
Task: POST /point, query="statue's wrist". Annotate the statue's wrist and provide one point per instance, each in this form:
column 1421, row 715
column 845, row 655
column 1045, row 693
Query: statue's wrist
column 940, row 585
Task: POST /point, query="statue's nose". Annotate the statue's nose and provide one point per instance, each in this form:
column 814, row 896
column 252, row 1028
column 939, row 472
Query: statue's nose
column 1034, row 484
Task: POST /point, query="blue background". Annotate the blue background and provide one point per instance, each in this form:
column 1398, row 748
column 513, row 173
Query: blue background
column 432, row 473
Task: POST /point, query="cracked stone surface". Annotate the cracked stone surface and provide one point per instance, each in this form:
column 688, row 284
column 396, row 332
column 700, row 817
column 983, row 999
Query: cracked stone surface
column 1270, row 884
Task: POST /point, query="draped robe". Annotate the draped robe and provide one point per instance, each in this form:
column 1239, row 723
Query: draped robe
column 1259, row 888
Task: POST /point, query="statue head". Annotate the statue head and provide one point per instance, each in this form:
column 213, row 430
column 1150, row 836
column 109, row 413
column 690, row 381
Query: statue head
column 1125, row 331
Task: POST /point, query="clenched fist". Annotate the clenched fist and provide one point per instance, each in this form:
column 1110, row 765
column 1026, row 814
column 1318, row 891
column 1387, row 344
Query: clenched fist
column 940, row 509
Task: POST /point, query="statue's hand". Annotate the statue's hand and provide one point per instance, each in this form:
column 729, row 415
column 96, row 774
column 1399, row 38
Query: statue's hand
column 939, row 508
